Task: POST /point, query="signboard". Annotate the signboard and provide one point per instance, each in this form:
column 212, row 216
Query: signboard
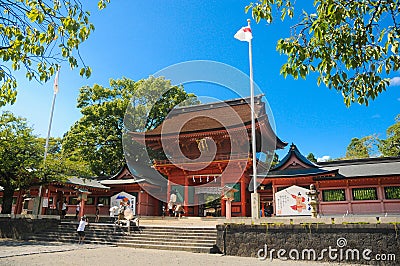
column 292, row 201
column 45, row 202
column 208, row 190
column 117, row 198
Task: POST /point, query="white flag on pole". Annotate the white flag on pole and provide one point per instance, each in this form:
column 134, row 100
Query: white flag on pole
column 56, row 81
column 244, row 34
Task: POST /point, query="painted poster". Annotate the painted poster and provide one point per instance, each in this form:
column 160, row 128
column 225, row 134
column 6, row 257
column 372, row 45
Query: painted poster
column 292, row 201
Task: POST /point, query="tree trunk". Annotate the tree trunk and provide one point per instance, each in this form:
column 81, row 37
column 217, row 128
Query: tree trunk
column 8, row 194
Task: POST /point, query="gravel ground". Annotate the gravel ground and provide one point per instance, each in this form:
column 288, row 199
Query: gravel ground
column 34, row 253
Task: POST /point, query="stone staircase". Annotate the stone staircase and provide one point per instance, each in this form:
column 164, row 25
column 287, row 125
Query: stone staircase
column 185, row 238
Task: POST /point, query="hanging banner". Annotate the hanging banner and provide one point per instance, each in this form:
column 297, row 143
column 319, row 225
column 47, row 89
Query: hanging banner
column 292, row 201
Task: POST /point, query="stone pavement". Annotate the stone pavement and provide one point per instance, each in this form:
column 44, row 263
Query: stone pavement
column 13, row 248
column 14, row 253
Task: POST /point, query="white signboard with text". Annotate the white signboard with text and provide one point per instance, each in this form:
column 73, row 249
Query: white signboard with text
column 117, row 198
column 292, row 201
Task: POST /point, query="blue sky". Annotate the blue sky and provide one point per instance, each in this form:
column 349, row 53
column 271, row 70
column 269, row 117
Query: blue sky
column 135, row 39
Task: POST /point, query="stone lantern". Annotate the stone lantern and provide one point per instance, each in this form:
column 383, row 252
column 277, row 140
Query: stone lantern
column 82, row 197
column 313, row 195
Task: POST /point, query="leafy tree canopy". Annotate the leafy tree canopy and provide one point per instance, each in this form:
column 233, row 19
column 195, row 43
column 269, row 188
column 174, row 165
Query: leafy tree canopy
column 361, row 148
column 20, row 156
column 311, row 157
column 97, row 136
column 391, row 145
column 58, row 166
column 37, row 35
column 352, row 45
column 21, row 159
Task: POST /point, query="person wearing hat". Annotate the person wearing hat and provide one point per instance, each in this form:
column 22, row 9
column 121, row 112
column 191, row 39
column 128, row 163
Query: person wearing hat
column 81, row 229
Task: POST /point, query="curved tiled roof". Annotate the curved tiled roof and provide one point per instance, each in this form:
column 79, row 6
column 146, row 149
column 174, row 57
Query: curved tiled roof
column 210, row 117
column 293, row 151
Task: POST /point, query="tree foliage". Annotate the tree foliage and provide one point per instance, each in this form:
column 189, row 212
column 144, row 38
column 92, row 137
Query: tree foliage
column 311, row 157
column 37, row 35
column 97, row 136
column 391, row 145
column 20, row 156
column 58, row 166
column 352, row 45
column 361, row 148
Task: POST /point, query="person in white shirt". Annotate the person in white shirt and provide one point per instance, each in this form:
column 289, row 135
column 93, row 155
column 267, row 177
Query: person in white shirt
column 78, row 209
column 64, row 209
column 81, row 229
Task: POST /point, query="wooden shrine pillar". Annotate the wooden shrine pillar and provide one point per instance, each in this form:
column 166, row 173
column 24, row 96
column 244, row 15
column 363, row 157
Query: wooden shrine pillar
column 243, row 196
column 273, row 199
column 262, row 209
column 223, row 202
column 186, row 196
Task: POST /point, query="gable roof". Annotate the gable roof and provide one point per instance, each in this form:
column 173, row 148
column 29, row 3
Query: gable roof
column 136, row 173
column 90, row 184
column 294, row 153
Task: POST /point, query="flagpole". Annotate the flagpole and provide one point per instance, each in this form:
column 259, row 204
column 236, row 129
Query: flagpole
column 255, row 201
column 46, row 147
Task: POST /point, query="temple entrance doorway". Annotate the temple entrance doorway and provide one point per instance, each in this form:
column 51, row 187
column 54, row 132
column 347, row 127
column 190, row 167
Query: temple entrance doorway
column 211, row 206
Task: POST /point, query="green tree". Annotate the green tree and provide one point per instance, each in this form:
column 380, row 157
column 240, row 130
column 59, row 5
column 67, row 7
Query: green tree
column 352, row 45
column 391, row 145
column 37, row 35
column 361, row 148
column 97, row 137
column 20, row 156
column 311, row 157
column 58, row 165
column 275, row 160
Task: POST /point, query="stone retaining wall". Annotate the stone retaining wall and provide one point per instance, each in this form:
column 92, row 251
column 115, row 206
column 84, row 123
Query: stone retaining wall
column 19, row 228
column 299, row 241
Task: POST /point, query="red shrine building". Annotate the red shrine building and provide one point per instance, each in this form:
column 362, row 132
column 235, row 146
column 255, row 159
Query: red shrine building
column 207, row 148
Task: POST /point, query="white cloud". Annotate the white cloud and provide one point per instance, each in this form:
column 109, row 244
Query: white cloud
column 324, row 158
column 395, row 81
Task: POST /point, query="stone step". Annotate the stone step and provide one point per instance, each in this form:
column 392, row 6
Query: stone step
column 131, row 237
column 194, row 249
column 150, row 228
column 193, row 239
column 191, row 242
column 141, row 232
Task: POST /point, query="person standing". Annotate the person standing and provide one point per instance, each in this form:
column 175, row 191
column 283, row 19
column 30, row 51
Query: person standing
column 77, row 210
column 64, row 209
column 171, row 203
column 81, row 230
column 170, row 209
column 97, row 214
